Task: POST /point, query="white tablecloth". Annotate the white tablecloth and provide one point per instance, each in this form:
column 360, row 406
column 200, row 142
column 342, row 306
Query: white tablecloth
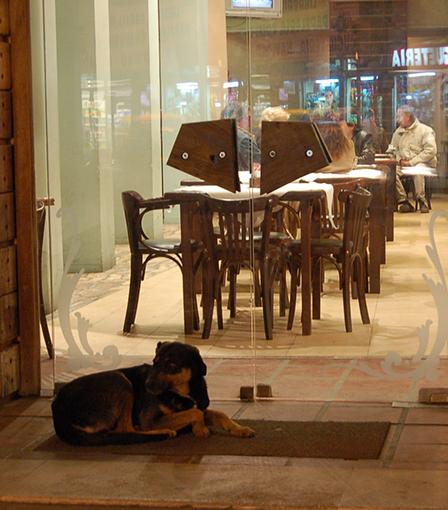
column 419, row 170
column 367, row 173
column 248, row 192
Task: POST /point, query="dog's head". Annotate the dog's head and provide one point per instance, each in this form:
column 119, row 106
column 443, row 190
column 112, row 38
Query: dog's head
column 180, row 368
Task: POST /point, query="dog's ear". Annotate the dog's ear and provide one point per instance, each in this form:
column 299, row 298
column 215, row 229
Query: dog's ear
column 159, row 345
column 201, row 367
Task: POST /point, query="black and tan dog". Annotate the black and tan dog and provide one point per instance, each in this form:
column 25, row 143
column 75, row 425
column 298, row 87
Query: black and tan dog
column 142, row 403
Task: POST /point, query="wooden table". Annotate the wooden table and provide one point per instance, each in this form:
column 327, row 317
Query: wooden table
column 308, row 195
column 389, row 165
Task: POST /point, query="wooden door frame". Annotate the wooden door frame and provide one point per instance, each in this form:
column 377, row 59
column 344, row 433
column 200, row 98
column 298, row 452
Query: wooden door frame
column 25, row 195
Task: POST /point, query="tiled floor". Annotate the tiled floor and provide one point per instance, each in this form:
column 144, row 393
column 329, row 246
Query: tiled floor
column 331, row 375
column 411, row 472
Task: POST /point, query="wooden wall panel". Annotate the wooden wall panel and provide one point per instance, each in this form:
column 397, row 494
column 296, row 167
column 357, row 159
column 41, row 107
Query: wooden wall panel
column 19, row 316
column 10, row 370
column 7, row 217
column 4, row 17
column 9, row 325
column 6, row 169
column 8, row 274
column 5, row 114
column 5, row 66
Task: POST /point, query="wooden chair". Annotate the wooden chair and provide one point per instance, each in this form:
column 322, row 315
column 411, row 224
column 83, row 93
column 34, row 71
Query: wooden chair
column 144, row 249
column 231, row 245
column 284, row 225
column 431, row 183
column 335, row 228
column 346, row 254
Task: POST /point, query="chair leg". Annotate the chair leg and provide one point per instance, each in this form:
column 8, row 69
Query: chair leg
column 217, row 293
column 266, row 299
column 195, row 313
column 283, row 289
column 44, row 324
column 292, row 301
column 134, row 292
column 42, row 316
column 359, row 275
column 232, row 292
column 346, row 282
column 196, row 266
column 208, row 298
column 317, row 284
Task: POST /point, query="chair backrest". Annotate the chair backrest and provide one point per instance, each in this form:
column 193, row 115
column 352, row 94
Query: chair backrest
column 356, row 205
column 135, row 208
column 336, row 229
column 231, row 239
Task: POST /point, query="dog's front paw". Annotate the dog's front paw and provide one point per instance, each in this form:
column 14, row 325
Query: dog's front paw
column 201, row 431
column 167, row 432
column 243, row 432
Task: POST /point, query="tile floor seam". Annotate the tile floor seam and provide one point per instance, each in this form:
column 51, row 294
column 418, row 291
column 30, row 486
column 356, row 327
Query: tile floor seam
column 277, row 371
column 240, row 411
column 393, row 445
column 336, row 389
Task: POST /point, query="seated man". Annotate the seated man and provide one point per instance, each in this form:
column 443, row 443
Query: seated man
column 414, row 144
column 364, row 142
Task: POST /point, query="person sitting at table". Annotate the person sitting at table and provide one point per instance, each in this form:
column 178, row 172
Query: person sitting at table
column 271, row 114
column 379, row 133
column 341, row 148
column 414, row 144
column 247, row 146
column 364, row 142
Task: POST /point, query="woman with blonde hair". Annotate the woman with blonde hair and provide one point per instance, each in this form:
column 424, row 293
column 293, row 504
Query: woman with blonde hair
column 271, row 114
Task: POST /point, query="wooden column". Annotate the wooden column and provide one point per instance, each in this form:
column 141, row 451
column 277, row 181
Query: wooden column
column 19, row 318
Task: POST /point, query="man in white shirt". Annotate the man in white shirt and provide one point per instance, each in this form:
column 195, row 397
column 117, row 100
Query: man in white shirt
column 414, row 144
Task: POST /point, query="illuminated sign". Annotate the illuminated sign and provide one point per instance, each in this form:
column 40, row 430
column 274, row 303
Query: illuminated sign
column 420, row 57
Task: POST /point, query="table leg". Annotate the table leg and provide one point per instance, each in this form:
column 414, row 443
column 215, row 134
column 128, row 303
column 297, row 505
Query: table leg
column 377, row 244
column 305, row 236
column 187, row 259
column 390, row 203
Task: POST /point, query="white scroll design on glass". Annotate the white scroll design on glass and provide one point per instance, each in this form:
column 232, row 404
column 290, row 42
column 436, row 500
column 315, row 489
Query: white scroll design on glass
column 422, row 366
column 82, row 355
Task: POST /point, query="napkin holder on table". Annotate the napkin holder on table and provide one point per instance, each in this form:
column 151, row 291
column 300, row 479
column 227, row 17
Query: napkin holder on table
column 208, row 150
column 290, row 150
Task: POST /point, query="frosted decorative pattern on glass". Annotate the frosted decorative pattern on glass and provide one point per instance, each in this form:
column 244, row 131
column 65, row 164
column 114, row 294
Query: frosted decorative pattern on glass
column 423, row 364
column 80, row 353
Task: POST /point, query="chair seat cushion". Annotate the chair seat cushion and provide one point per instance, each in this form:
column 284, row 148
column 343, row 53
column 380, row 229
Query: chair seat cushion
column 273, row 236
column 325, row 242
column 169, row 244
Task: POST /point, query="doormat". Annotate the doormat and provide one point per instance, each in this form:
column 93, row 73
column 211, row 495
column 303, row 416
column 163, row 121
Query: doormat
column 331, row 440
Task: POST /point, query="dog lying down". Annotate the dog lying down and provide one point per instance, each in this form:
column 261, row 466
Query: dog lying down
column 142, row 403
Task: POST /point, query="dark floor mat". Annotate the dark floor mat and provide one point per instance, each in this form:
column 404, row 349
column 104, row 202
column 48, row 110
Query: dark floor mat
column 333, row 440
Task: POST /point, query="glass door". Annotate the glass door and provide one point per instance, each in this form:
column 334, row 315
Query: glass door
column 118, row 80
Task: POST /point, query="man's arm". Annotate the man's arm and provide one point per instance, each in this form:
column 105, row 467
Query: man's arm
column 367, row 152
column 428, row 153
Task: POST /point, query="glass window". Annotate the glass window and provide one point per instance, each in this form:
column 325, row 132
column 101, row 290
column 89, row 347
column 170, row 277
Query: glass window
column 122, row 77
